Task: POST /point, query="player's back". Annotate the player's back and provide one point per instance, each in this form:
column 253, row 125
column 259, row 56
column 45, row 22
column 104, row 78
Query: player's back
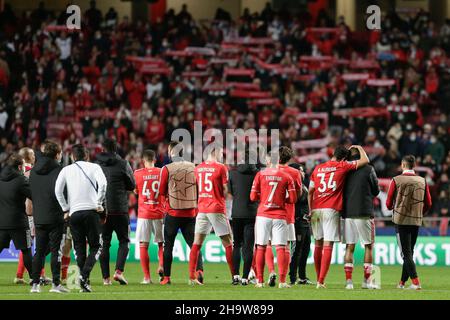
column 147, row 187
column 211, row 177
column 273, row 185
column 328, row 181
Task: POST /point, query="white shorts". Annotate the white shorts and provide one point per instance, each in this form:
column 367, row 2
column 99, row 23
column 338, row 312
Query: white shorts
column 217, row 221
column 361, row 229
column 291, row 232
column 273, row 230
column 145, row 228
column 325, row 225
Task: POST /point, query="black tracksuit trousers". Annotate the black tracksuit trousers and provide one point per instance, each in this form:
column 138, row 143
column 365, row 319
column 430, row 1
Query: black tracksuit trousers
column 120, row 224
column 49, row 237
column 407, row 238
column 85, row 225
column 243, row 243
column 171, row 226
column 301, row 251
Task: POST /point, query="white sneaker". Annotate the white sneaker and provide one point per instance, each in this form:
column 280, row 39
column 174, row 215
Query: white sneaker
column 120, row 278
column 244, row 282
column 59, row 289
column 36, row 288
column 320, row 286
column 194, row 282
column 349, row 285
column 146, row 281
column 283, row 286
column 19, row 281
column 367, row 285
column 252, row 276
column 107, row 282
column 400, row 286
column 259, row 285
column 415, row 287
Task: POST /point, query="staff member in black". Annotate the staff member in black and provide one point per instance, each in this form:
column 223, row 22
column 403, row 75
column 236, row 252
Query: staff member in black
column 48, row 216
column 361, row 187
column 409, row 197
column 14, row 190
column 86, row 190
column 302, row 245
column 120, row 178
column 243, row 216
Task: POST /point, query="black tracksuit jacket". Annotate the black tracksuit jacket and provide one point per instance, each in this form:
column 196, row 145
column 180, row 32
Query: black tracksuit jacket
column 120, row 178
column 14, row 190
column 240, row 185
column 46, row 209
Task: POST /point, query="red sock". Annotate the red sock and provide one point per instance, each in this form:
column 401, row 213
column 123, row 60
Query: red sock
column 193, row 259
column 348, row 268
column 229, row 256
column 145, row 260
column 20, row 267
column 367, row 270
column 325, row 263
column 269, row 259
column 65, row 262
column 43, row 272
column 317, row 259
column 415, row 281
column 282, row 263
column 260, row 260
column 160, row 254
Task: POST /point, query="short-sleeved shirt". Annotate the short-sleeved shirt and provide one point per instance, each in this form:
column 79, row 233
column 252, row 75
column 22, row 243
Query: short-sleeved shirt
column 328, row 182
column 211, row 177
column 147, row 188
column 295, row 175
column 271, row 186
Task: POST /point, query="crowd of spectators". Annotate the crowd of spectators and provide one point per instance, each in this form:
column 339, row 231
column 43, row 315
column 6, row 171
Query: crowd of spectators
column 87, row 82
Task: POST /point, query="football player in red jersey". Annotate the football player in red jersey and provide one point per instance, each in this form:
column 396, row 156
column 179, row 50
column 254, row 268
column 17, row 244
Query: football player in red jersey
column 212, row 181
column 325, row 202
column 286, row 154
column 270, row 187
column 150, row 213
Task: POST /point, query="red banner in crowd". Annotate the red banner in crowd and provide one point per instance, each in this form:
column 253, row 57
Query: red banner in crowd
column 249, row 41
column 311, row 144
column 355, row 76
column 95, row 114
column 239, row 72
column 321, row 156
column 364, row 64
column 265, row 102
column 195, row 74
column 250, row 94
column 381, row 82
column 202, row 51
column 361, row 112
column 149, row 69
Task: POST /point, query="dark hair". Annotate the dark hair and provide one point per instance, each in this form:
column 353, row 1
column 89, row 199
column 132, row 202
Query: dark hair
column 341, row 153
column 410, row 161
column 110, row 145
column 79, row 152
column 177, row 146
column 286, row 154
column 14, row 160
column 354, row 154
column 51, row 149
column 149, row 155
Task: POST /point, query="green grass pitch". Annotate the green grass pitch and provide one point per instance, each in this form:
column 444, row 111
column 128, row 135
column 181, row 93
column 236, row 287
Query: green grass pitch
column 217, row 286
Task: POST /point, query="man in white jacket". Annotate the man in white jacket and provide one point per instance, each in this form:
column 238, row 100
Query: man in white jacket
column 85, row 183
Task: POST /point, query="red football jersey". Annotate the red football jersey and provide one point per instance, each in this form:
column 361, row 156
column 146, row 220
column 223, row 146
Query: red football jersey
column 328, row 181
column 271, row 186
column 147, row 188
column 211, row 176
column 295, row 175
